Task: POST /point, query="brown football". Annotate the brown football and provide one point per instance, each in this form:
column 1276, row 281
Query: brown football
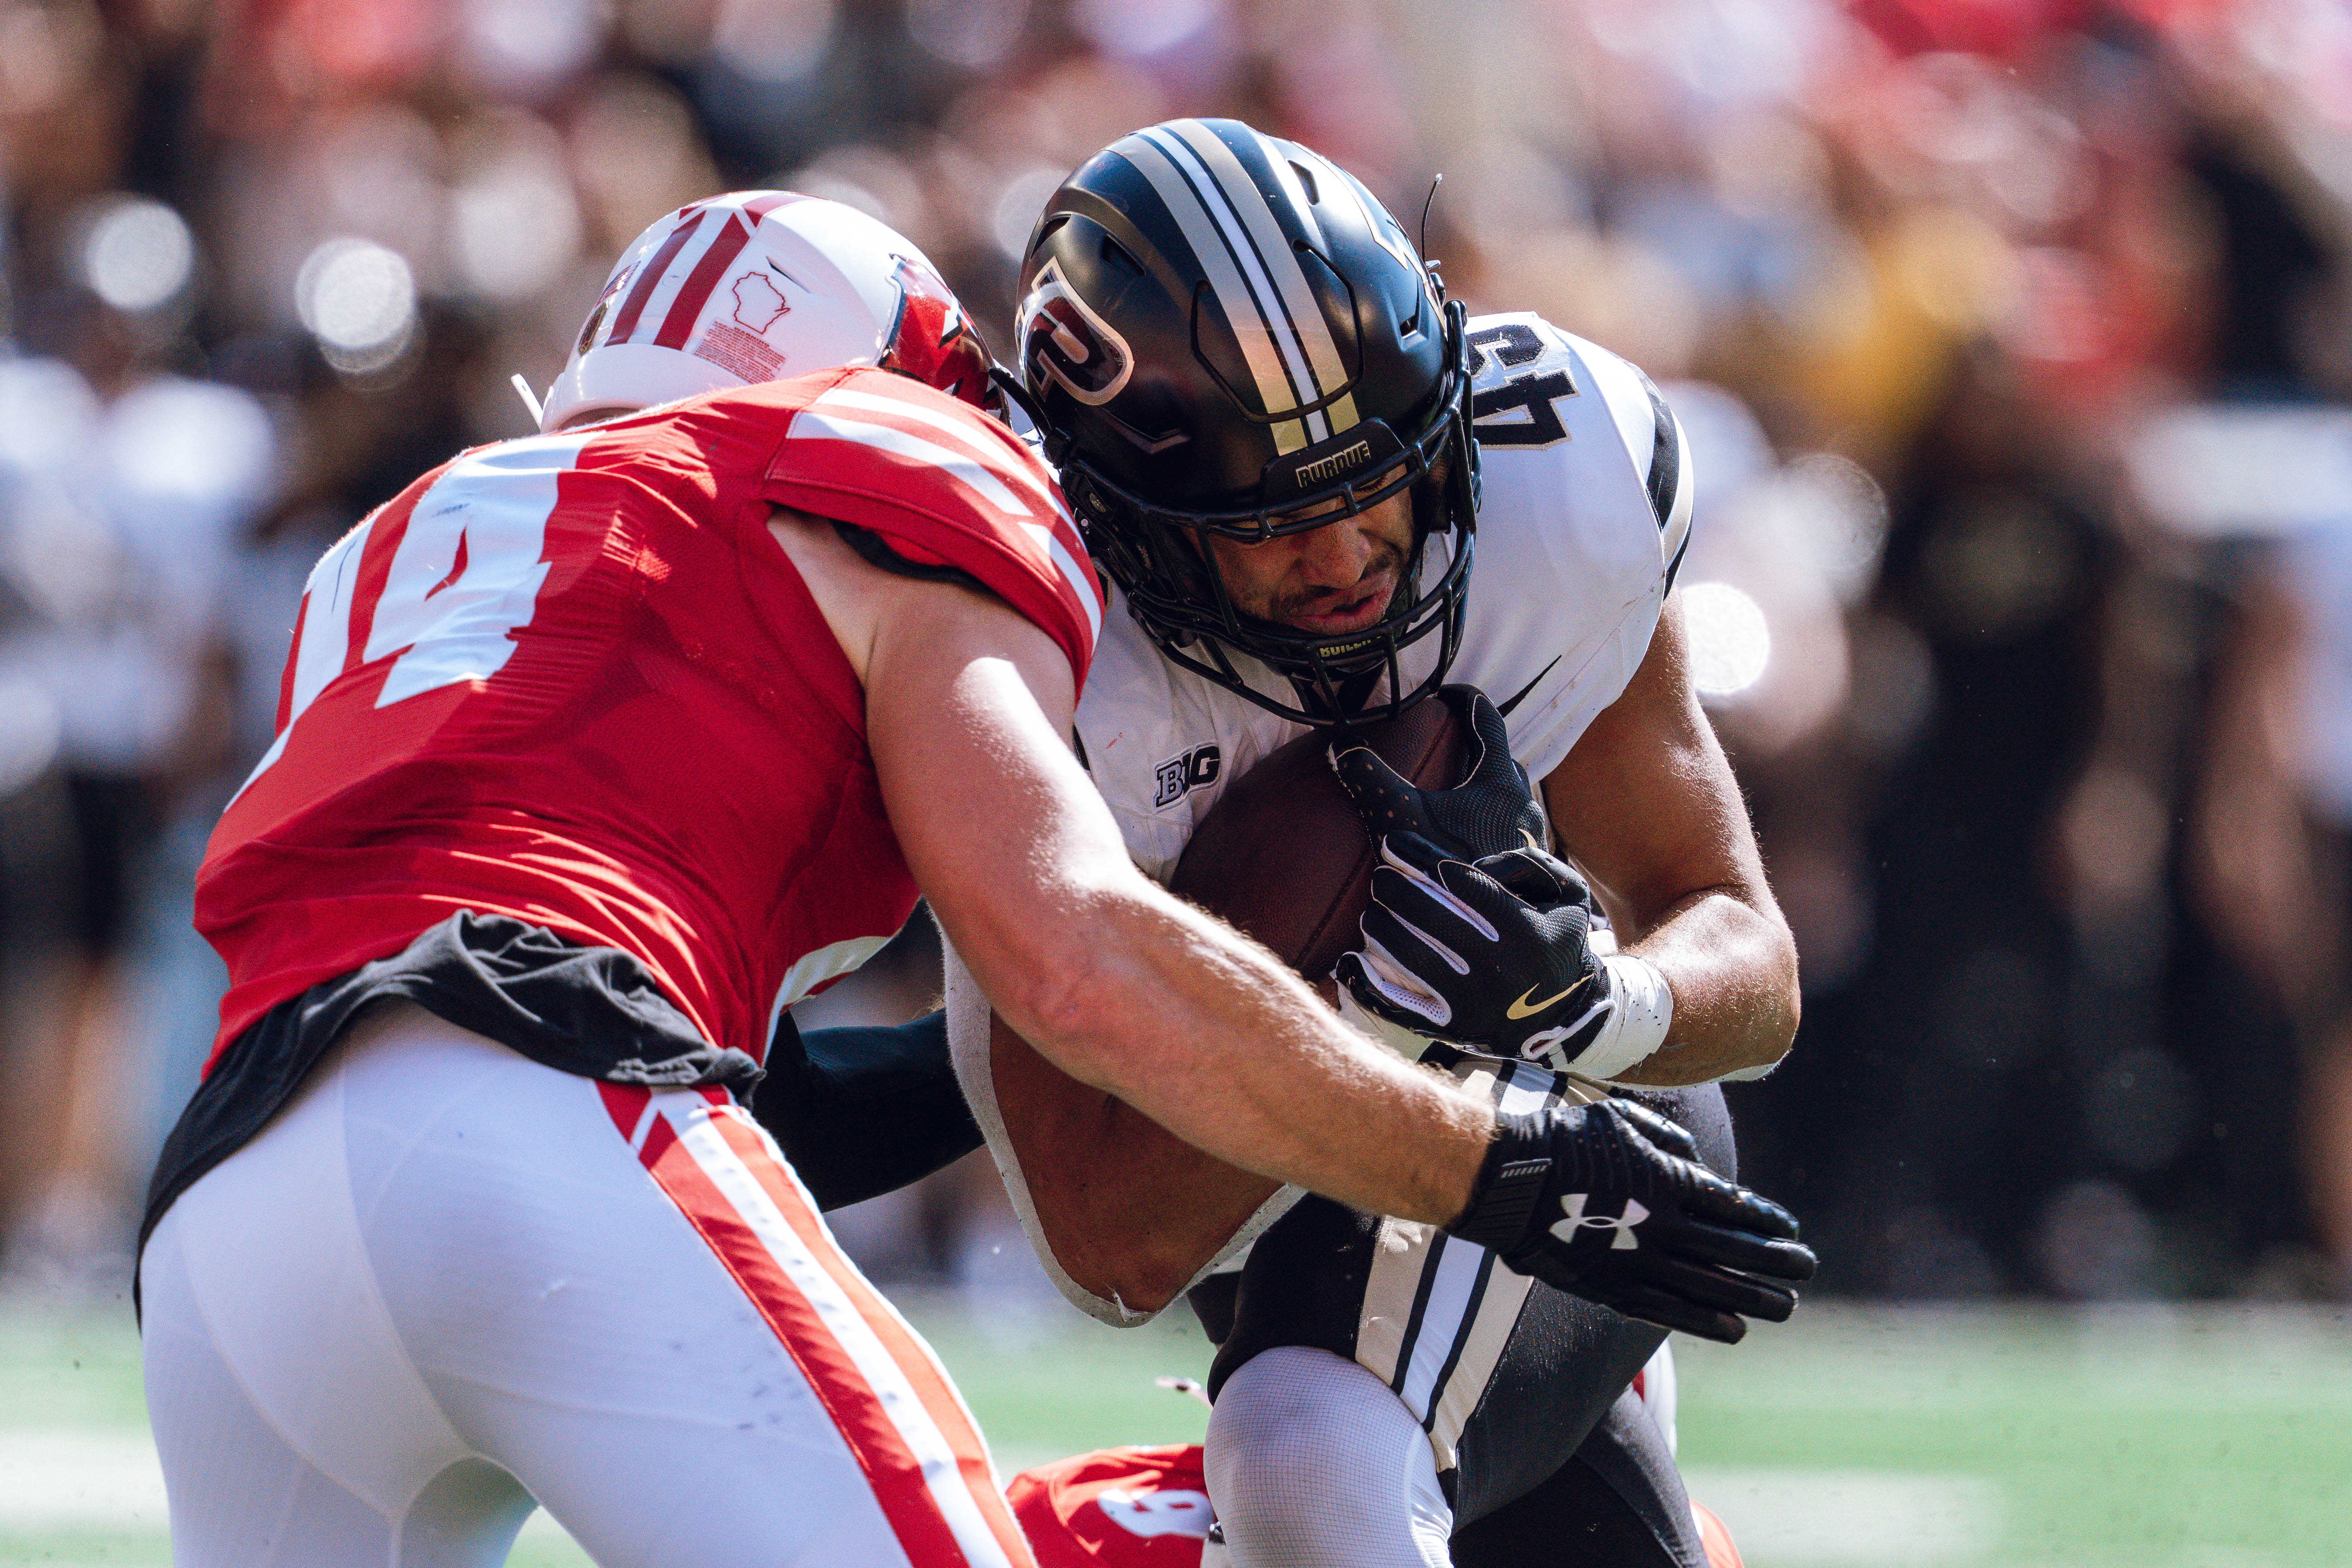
column 1282, row 853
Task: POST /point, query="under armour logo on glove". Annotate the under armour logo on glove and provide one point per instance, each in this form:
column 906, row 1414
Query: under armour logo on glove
column 1623, row 1224
column 1711, row 1253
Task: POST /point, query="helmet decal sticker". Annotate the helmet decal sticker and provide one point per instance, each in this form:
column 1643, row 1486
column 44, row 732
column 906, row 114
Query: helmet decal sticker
column 739, row 346
column 1063, row 340
column 757, row 303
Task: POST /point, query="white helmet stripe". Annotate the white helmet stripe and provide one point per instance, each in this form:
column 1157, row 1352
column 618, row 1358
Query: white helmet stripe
column 1243, row 195
column 1232, row 263
column 1277, row 286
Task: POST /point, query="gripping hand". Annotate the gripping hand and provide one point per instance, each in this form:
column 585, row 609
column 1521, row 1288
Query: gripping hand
column 1498, row 955
column 1608, row 1202
column 1492, row 810
column 1475, row 933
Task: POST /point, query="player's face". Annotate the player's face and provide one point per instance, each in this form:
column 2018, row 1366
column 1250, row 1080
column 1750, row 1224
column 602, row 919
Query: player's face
column 1328, row 581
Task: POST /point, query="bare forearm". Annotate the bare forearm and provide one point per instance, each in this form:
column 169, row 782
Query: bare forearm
column 1217, row 1041
column 1733, row 972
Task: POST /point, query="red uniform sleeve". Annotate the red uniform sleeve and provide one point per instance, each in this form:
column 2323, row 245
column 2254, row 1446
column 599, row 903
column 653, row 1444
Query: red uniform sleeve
column 944, row 483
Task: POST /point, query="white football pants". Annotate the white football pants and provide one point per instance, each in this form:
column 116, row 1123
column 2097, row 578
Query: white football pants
column 446, row 1281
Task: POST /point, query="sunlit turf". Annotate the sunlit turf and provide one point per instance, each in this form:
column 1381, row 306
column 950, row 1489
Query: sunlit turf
column 2213, row 1438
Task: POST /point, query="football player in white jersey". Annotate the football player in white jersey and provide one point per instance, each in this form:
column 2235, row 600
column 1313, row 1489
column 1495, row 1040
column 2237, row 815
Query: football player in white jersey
column 1323, row 492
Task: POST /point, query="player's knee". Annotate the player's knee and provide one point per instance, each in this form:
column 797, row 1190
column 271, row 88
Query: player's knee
column 1294, row 1424
column 1313, row 1463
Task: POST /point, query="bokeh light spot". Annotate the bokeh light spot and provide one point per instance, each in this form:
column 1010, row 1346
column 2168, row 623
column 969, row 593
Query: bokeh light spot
column 359, row 300
column 1730, row 642
column 139, row 255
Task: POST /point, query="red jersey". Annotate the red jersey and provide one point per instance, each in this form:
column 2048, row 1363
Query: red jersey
column 575, row 679
column 1116, row 1507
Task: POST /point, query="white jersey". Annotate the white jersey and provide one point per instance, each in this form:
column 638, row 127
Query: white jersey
column 1584, row 512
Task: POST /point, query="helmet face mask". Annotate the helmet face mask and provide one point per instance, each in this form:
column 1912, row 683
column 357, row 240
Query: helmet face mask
column 1224, row 336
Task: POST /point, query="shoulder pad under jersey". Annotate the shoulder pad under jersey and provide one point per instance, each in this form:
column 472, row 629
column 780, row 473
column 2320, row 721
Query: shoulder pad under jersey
column 946, row 485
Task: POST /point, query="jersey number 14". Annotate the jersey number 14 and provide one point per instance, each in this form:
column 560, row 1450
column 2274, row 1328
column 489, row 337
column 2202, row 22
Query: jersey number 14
column 441, row 592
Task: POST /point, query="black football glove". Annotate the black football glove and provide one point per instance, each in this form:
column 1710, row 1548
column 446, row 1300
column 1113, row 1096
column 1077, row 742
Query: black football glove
column 1476, row 934
column 1492, row 810
column 1498, row 955
column 1608, row 1202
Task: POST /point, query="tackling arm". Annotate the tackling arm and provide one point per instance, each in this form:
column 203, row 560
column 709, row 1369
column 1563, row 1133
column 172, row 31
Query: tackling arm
column 1646, row 803
column 1119, row 984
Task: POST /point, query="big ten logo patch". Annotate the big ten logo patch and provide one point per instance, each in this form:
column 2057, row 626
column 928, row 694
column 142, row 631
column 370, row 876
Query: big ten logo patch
column 1180, row 776
column 739, row 346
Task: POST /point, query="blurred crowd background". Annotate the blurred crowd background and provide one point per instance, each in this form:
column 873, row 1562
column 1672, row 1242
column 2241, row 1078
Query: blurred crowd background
column 2012, row 338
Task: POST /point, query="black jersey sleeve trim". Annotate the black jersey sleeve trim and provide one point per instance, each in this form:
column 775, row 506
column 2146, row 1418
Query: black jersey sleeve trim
column 1666, row 457
column 871, row 548
column 1665, row 473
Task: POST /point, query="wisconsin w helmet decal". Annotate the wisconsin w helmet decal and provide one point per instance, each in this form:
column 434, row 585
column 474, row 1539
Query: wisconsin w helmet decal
column 1063, row 340
column 932, row 340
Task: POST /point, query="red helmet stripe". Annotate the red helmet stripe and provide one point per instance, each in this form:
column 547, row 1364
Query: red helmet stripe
column 695, row 293
column 649, row 276
column 759, row 207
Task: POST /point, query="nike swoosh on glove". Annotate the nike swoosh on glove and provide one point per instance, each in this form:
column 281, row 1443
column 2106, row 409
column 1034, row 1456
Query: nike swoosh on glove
column 1498, row 955
column 1608, row 1202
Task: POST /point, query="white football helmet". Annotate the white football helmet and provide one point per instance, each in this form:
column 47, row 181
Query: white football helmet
column 758, row 286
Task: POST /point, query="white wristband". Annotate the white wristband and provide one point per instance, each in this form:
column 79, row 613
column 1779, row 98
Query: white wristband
column 1643, row 1010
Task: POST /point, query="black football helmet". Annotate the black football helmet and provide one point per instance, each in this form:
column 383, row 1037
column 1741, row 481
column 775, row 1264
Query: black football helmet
column 1220, row 328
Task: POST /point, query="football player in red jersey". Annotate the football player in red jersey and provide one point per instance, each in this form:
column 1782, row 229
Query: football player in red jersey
column 599, row 748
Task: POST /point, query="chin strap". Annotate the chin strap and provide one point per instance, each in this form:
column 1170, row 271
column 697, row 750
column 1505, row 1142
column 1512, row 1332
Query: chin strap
column 530, row 398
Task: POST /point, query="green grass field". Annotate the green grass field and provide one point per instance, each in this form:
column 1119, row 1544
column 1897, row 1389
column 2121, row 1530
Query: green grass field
column 2157, row 1438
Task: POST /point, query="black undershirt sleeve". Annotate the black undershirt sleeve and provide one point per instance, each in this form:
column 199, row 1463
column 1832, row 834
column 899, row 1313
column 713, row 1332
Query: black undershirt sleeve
column 864, row 1112
column 875, row 552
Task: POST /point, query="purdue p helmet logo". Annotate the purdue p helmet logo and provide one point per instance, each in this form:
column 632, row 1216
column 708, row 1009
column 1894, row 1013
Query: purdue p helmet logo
column 1062, row 340
column 1623, row 1224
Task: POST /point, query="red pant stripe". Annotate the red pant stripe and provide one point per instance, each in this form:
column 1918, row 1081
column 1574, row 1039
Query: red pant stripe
column 891, row 1468
column 938, row 1395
